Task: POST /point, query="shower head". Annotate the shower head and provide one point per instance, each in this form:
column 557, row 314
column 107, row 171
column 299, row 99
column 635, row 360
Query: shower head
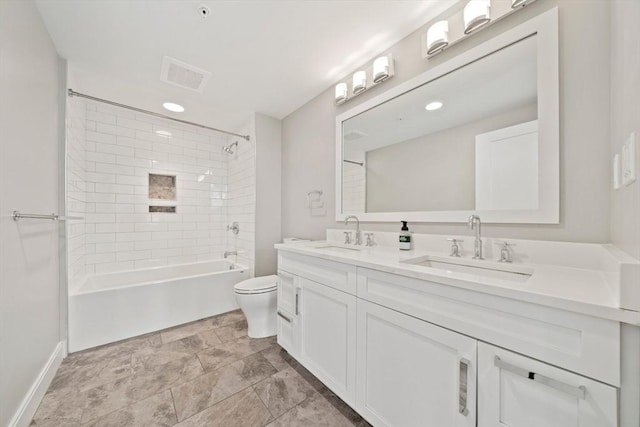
column 229, row 148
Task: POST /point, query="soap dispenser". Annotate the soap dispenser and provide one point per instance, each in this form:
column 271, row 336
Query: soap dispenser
column 405, row 237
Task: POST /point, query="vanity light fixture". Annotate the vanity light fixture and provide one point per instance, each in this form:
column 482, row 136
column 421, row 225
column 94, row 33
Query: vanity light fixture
column 341, row 93
column 476, row 14
column 433, row 106
column 437, row 37
column 359, row 82
column 380, row 71
column 171, row 106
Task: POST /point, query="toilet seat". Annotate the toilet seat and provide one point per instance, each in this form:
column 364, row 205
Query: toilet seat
column 257, row 285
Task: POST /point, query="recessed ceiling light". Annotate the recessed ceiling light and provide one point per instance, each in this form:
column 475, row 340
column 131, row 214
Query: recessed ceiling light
column 433, row 106
column 164, row 133
column 176, row 108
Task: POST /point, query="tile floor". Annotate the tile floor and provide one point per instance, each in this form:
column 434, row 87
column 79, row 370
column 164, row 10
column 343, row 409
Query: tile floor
column 205, row 373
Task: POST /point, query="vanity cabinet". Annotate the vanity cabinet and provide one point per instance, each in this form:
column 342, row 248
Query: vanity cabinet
column 413, row 373
column 317, row 319
column 405, row 351
column 516, row 391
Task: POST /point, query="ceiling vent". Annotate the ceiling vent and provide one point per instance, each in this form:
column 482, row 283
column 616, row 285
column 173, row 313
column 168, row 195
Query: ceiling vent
column 353, row 135
column 183, row 75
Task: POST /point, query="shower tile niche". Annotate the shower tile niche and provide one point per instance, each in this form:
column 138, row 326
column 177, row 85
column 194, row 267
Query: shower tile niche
column 162, row 187
column 162, row 193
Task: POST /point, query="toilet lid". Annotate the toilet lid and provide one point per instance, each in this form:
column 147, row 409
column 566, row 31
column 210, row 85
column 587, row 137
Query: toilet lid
column 257, row 285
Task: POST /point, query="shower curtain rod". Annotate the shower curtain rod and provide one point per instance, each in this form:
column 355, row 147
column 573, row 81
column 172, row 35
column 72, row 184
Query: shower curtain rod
column 73, row 93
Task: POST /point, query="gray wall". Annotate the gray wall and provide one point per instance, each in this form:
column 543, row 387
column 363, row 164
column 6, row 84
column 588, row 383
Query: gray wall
column 625, row 118
column 268, row 200
column 435, row 172
column 29, row 289
column 308, row 157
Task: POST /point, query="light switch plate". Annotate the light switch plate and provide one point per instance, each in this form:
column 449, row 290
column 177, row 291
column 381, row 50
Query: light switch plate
column 629, row 160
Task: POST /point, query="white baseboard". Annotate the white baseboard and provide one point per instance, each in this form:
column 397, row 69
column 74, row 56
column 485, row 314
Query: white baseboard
column 32, row 400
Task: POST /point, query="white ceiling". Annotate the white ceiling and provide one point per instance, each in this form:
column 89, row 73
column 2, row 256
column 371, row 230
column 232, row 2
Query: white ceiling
column 266, row 56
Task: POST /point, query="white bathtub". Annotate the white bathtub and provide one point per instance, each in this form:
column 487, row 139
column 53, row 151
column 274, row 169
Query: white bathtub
column 115, row 306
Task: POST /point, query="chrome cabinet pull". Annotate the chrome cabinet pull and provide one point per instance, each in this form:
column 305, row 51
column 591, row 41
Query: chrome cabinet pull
column 297, row 301
column 579, row 392
column 284, row 317
column 462, row 386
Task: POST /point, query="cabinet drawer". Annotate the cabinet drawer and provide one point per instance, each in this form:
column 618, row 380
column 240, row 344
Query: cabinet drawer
column 586, row 345
column 516, row 391
column 287, row 333
column 334, row 274
column 288, row 285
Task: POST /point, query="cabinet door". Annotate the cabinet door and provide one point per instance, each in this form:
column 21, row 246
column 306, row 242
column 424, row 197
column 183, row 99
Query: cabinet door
column 413, row 373
column 516, row 391
column 288, row 331
column 328, row 337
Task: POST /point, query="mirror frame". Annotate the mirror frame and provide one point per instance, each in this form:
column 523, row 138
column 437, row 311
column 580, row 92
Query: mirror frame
column 545, row 27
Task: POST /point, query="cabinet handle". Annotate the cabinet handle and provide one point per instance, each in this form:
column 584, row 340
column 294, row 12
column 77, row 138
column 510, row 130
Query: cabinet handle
column 297, row 301
column 578, row 392
column 284, row 317
column 462, row 386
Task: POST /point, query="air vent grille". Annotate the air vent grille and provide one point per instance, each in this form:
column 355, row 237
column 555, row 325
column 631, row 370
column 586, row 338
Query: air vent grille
column 183, row 75
column 353, row 135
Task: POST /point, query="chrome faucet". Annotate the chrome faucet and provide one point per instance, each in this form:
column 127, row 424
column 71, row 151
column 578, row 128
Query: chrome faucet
column 474, row 223
column 227, row 253
column 358, row 240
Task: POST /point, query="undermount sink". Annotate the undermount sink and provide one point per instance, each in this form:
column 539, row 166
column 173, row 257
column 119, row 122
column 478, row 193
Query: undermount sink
column 339, row 248
column 476, row 267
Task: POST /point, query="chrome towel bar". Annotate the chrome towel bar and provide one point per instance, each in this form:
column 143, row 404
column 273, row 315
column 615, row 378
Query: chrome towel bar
column 16, row 215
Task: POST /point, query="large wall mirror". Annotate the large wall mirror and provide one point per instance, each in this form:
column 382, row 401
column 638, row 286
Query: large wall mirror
column 477, row 134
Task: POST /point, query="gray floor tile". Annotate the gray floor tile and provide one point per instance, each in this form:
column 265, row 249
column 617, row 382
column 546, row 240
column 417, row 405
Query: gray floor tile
column 283, row 390
column 228, row 353
column 232, row 331
column 205, row 373
column 315, row 411
column 155, row 411
column 243, row 409
column 110, row 397
column 206, row 390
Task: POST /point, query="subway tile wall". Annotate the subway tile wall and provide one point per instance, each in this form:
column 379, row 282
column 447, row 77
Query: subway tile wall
column 242, row 200
column 354, row 185
column 75, row 188
column 108, row 185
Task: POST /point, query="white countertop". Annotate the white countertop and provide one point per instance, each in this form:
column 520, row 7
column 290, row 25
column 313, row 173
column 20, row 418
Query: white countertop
column 587, row 291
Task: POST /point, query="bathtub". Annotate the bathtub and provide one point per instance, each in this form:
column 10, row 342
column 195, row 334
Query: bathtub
column 115, row 306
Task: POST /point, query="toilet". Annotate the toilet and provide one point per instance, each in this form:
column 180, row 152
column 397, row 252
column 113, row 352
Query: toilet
column 257, row 300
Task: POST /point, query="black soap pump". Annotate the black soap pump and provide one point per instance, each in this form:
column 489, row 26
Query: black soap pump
column 405, row 237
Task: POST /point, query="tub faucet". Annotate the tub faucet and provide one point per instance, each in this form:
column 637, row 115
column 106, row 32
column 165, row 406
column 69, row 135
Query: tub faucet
column 228, row 253
column 474, row 223
column 358, row 240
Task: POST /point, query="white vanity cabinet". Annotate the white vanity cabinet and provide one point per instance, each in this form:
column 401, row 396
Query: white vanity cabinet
column 413, row 373
column 405, row 351
column 516, row 391
column 317, row 319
